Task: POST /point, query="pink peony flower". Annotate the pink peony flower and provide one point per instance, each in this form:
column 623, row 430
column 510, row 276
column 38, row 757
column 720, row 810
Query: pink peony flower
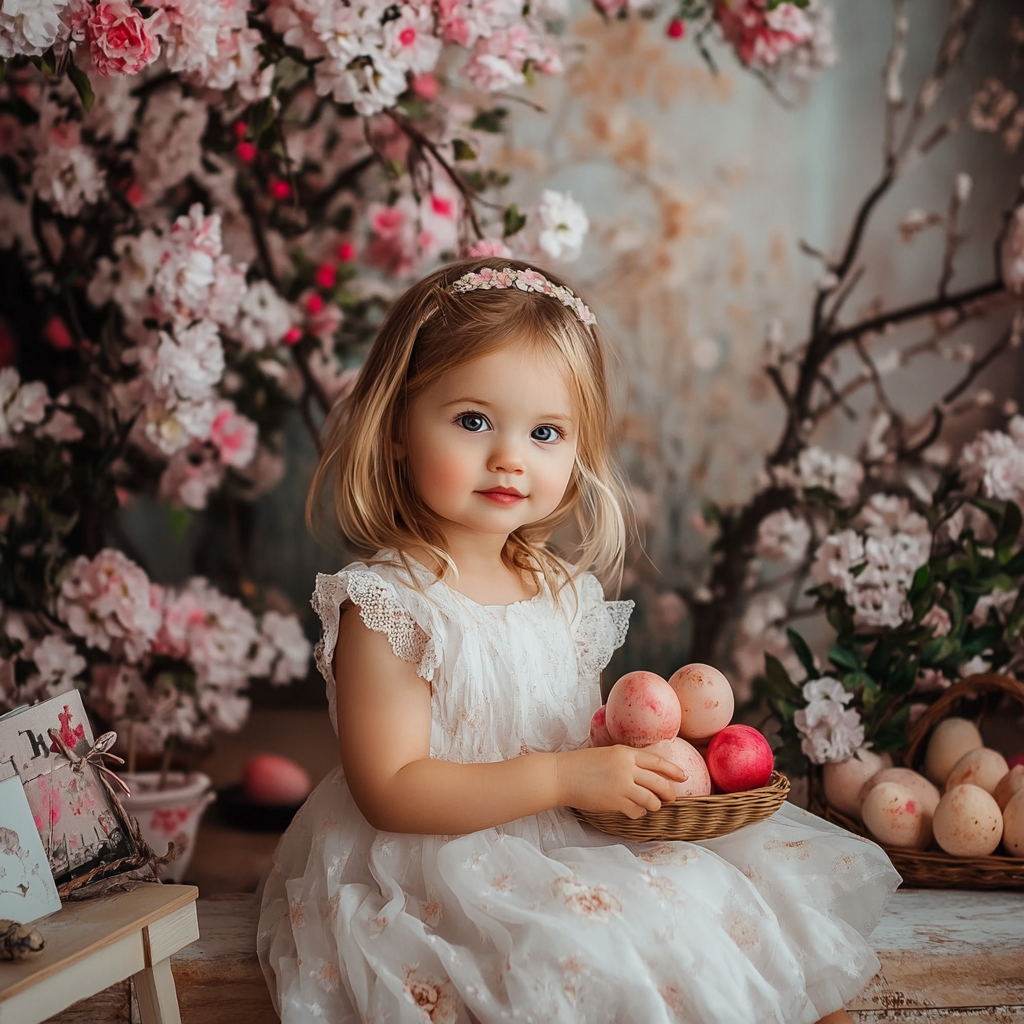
column 119, row 39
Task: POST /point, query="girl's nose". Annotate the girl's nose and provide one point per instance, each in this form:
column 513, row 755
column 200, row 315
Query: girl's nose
column 506, row 458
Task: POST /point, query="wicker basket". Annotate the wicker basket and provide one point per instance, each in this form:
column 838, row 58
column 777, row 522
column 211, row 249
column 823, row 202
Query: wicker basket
column 935, row 869
column 695, row 817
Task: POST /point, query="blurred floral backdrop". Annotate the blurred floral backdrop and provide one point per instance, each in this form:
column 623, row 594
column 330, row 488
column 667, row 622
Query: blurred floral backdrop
column 214, row 239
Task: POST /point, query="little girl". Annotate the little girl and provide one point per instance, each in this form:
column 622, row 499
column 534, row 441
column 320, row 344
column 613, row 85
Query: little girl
column 438, row 874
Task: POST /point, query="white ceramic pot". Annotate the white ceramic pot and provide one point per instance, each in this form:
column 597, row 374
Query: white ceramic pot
column 170, row 814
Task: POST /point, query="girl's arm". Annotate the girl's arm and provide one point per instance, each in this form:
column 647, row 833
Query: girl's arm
column 384, row 731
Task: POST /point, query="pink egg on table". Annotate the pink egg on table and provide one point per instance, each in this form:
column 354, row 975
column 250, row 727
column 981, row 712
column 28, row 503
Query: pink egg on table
column 642, row 709
column 678, row 751
column 706, row 701
column 740, row 758
column 273, row 779
column 599, row 735
column 1015, row 759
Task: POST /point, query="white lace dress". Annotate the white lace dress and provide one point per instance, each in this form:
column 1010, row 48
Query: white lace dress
column 546, row 919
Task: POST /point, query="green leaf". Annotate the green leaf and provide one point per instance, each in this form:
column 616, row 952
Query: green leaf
column 844, row 657
column 779, row 683
column 803, row 652
column 939, row 650
column 181, row 519
column 80, row 80
column 514, row 221
column 48, row 62
column 993, row 509
column 922, row 578
column 853, row 680
column 1009, row 529
column 492, row 121
column 463, row 150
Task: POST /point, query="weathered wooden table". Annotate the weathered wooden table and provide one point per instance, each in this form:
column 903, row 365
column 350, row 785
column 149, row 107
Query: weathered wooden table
column 955, row 957
column 96, row 944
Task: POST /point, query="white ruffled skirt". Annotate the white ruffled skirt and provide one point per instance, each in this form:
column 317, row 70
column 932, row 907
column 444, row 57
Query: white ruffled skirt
column 548, row 920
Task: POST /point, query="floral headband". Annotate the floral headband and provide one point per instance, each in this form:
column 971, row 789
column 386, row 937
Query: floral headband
column 525, row 281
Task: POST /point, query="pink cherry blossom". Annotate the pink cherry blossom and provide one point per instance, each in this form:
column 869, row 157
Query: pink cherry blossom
column 233, row 435
column 759, row 36
column 487, row 247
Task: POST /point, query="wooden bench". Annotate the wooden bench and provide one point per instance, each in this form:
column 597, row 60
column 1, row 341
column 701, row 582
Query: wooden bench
column 950, row 956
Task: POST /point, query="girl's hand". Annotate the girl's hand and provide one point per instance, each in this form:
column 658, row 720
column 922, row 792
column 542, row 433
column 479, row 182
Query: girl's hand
column 617, row 778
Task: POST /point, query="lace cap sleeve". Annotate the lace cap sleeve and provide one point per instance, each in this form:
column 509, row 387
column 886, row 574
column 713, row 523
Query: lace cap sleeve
column 600, row 628
column 381, row 608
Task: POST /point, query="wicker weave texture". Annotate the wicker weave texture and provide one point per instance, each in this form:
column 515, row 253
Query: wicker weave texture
column 695, row 817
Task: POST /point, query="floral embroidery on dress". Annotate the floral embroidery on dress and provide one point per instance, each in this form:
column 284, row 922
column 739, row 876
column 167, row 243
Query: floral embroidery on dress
column 436, row 999
column 662, row 886
column 587, row 900
column 328, row 975
column 502, row 882
column 801, row 848
column 667, row 853
column 297, row 915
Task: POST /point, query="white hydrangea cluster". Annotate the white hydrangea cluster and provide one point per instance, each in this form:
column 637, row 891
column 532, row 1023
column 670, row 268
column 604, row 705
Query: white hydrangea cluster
column 782, row 537
column 874, row 565
column 994, row 463
column 829, row 730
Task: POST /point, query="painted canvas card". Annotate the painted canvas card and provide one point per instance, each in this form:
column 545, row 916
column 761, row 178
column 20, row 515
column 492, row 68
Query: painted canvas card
column 83, row 827
column 27, row 888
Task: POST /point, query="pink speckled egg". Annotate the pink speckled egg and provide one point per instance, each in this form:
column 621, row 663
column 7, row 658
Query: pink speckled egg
column 979, row 767
column 273, row 779
column 896, row 817
column 642, row 709
column 1010, row 783
column 599, row 735
column 1013, row 825
column 678, row 751
column 967, row 822
column 844, row 780
column 706, row 701
column 924, row 790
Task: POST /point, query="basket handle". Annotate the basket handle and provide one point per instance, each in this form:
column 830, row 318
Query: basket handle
column 985, row 682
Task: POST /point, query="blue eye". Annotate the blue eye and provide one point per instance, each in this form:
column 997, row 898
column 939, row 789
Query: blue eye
column 546, row 434
column 473, row 422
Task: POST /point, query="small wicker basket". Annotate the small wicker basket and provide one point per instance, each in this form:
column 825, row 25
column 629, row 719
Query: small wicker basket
column 934, row 868
column 695, row 817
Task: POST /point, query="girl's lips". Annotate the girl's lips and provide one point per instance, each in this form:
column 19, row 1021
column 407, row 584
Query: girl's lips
column 502, row 497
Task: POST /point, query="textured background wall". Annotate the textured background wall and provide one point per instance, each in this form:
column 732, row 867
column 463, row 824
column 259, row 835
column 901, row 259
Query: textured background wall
column 699, row 188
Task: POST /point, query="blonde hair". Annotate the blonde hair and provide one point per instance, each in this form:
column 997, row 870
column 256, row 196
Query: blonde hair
column 428, row 332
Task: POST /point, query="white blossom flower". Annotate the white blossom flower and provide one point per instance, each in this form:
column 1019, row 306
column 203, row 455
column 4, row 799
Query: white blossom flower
column 291, row 648
column 190, row 363
column 110, row 603
column 994, row 461
column 67, row 176
column 828, row 730
column 885, row 515
column 975, row 666
column 886, row 565
column 57, row 661
column 826, row 688
column 782, row 537
column 1011, row 253
column 560, row 224
column 20, row 404
column 265, row 317
column 29, row 27
column 831, row 471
